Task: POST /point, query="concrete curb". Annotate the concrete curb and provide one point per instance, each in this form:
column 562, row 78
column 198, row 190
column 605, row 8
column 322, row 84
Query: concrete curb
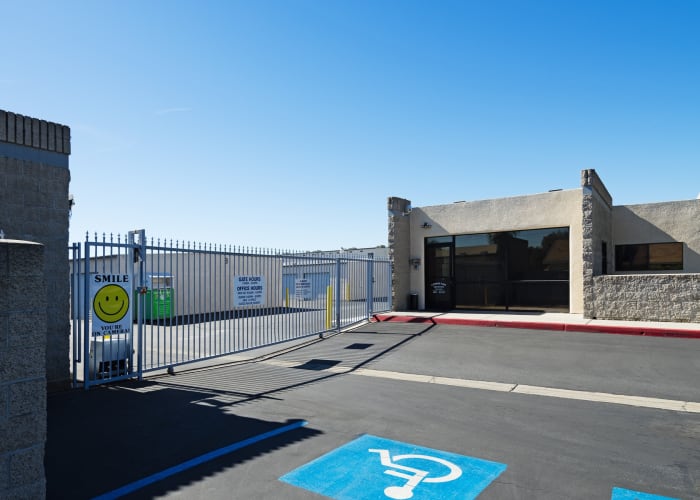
column 540, row 325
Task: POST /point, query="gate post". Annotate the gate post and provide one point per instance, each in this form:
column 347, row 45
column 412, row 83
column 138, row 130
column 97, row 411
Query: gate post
column 86, row 312
column 370, row 286
column 77, row 292
column 337, row 295
column 137, row 254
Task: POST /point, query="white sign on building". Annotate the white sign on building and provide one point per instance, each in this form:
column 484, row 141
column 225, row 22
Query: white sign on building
column 248, row 291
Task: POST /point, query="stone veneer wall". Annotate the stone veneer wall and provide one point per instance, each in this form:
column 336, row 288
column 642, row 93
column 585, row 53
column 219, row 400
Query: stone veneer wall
column 34, row 206
column 399, row 251
column 641, row 297
column 596, row 228
column 648, row 297
column 22, row 370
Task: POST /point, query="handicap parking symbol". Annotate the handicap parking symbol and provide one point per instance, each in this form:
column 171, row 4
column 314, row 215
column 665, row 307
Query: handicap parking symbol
column 374, row 467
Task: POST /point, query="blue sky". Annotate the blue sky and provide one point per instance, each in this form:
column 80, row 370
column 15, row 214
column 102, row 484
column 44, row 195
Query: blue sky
column 287, row 124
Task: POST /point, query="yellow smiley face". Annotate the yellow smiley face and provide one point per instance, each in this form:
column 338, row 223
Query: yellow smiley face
column 111, row 303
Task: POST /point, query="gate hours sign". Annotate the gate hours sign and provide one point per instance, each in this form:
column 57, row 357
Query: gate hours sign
column 249, row 291
column 110, row 299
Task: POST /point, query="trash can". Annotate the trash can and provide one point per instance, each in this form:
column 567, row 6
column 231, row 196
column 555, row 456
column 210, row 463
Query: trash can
column 412, row 301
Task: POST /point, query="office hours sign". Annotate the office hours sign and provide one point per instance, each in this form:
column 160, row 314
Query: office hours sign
column 248, row 291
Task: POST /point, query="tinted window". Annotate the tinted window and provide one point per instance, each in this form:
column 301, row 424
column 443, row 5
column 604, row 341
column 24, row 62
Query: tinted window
column 649, row 257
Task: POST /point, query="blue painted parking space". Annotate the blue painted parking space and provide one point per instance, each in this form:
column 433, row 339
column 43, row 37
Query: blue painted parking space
column 374, row 467
column 623, row 494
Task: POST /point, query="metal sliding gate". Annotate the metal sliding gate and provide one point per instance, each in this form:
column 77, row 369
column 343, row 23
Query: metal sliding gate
column 139, row 306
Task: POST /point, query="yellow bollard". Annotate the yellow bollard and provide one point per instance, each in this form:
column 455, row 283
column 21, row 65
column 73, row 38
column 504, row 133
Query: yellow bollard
column 329, row 307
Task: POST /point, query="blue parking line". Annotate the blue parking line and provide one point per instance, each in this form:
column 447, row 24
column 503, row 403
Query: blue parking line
column 623, row 494
column 171, row 471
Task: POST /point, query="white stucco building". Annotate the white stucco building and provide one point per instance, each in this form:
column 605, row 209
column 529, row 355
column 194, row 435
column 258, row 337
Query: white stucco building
column 569, row 250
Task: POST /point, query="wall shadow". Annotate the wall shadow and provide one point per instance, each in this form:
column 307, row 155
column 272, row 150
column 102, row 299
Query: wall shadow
column 108, row 437
column 650, row 233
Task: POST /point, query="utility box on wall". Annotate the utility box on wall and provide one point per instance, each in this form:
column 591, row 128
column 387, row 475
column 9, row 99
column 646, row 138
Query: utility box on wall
column 110, row 357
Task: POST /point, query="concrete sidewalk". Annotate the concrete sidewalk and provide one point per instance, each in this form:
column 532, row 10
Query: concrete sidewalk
column 546, row 321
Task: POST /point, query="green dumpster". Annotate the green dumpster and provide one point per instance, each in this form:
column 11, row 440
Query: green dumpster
column 159, row 297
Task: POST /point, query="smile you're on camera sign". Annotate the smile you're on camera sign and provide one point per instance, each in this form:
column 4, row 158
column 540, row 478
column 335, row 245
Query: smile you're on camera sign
column 110, row 299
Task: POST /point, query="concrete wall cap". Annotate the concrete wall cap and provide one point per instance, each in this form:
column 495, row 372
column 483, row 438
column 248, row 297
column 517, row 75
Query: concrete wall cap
column 555, row 193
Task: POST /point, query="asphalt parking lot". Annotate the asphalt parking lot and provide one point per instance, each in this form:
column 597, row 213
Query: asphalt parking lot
column 459, row 412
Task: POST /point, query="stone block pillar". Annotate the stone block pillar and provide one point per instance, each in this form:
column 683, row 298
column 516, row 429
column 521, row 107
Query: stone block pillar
column 34, row 206
column 597, row 229
column 399, row 251
column 22, row 370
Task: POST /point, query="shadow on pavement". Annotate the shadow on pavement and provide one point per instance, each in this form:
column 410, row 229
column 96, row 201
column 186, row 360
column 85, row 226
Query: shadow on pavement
column 111, row 436
column 108, row 437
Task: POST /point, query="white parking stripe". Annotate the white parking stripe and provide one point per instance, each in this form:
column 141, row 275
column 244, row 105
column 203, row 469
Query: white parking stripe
column 407, row 377
column 596, row 397
column 602, row 397
column 474, row 384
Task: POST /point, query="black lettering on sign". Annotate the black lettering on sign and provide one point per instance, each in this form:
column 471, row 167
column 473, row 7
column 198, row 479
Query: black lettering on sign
column 111, row 278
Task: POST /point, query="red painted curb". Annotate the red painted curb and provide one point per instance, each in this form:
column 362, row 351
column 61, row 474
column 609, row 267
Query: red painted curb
column 635, row 330
column 402, row 318
column 466, row 322
column 538, row 325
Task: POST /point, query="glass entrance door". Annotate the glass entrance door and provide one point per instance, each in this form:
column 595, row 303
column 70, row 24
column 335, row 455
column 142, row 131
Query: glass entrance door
column 480, row 272
column 438, row 273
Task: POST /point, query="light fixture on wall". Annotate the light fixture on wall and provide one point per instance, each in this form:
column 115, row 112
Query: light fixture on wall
column 415, row 262
column 426, row 225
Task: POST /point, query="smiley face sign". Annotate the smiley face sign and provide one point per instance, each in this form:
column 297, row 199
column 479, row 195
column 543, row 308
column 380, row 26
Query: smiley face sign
column 111, row 304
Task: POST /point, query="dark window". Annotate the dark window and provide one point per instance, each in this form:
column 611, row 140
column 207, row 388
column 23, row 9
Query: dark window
column 538, row 254
column 438, row 240
column 649, row 257
column 513, row 268
column 604, row 249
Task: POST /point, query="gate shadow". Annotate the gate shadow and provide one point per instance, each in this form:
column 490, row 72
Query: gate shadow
column 109, row 437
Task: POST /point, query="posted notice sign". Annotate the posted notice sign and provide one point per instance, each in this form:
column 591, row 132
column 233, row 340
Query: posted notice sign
column 248, row 291
column 302, row 289
column 110, row 299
